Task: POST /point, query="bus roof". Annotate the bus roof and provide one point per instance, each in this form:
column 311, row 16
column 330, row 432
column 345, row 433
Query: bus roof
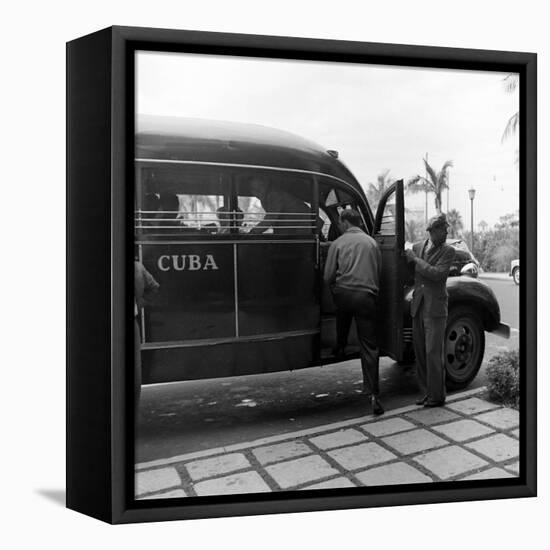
column 201, row 140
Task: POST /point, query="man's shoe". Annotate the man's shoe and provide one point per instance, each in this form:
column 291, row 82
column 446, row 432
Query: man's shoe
column 434, row 403
column 377, row 408
column 422, row 400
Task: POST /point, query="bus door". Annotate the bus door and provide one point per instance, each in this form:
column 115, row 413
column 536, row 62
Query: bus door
column 389, row 232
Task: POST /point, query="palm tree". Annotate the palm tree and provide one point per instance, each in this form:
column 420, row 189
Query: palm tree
column 376, row 191
column 511, row 83
column 435, row 183
column 455, row 223
column 483, row 225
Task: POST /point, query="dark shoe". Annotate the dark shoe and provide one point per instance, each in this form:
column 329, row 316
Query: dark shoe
column 377, row 408
column 434, row 403
column 422, row 400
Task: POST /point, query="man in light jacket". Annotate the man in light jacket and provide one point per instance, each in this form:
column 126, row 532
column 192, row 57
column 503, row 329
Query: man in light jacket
column 429, row 307
column 352, row 271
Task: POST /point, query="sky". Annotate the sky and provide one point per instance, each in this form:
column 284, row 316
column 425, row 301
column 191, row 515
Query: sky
column 377, row 117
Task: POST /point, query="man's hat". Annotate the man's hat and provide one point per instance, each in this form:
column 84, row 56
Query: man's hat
column 437, row 221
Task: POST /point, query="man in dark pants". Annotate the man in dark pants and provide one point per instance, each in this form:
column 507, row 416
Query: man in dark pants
column 429, row 307
column 352, row 271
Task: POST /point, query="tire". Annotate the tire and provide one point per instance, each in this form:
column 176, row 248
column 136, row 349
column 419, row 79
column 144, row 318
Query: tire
column 515, row 275
column 464, row 347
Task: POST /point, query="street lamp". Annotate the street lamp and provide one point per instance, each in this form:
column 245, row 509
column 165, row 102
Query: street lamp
column 472, row 194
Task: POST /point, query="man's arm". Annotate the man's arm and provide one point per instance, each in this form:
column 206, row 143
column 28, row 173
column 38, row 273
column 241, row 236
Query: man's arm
column 439, row 271
column 331, row 265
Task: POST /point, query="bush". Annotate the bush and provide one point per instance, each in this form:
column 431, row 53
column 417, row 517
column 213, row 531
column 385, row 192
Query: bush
column 503, row 378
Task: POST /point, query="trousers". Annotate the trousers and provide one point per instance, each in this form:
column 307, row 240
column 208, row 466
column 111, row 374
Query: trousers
column 429, row 347
column 361, row 306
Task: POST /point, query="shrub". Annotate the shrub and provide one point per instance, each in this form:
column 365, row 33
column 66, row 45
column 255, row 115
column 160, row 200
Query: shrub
column 503, row 378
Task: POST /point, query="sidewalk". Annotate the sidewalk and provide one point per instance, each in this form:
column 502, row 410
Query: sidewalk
column 469, row 438
column 495, row 276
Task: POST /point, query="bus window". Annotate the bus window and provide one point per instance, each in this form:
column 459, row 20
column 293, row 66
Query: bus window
column 277, row 203
column 173, row 200
column 332, row 201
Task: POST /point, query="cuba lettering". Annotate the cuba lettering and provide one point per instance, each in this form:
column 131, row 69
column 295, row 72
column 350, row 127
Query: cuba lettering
column 186, row 262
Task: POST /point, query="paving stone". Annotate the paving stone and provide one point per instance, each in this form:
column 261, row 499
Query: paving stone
column 295, row 472
column 210, row 467
column 338, row 439
column 177, row 493
column 497, row 447
column 432, row 415
column 514, row 467
column 336, row 483
column 515, row 432
column 149, row 481
column 244, row 482
column 491, row 473
column 462, row 430
column 473, row 405
column 361, row 456
column 388, row 427
column 450, row 461
column 392, row 474
column 413, row 442
column 503, row 419
column 281, row 451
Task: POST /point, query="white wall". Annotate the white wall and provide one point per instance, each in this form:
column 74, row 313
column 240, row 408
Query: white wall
column 33, row 182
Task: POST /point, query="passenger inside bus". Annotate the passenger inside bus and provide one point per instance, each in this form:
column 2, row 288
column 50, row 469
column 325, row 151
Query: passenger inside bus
column 284, row 212
column 229, row 219
column 170, row 210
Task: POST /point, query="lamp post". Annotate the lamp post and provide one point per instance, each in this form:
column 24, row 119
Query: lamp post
column 472, row 194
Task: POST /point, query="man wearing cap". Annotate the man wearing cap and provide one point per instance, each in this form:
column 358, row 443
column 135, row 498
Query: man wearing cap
column 429, row 307
column 352, row 272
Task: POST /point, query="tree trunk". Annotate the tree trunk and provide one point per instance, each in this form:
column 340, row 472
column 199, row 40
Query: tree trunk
column 438, row 204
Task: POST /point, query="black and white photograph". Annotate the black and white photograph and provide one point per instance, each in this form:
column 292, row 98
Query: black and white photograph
column 327, row 275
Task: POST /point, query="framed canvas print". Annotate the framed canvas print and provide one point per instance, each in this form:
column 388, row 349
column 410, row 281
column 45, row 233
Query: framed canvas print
column 294, row 274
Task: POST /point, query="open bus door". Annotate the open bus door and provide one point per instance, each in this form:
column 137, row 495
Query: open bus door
column 389, row 233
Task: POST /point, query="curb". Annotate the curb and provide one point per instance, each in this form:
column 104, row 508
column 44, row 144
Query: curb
column 292, row 435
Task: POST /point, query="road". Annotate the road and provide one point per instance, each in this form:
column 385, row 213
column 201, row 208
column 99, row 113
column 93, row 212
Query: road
column 191, row 416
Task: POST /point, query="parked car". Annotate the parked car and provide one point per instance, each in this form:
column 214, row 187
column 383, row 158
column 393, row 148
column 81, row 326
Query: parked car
column 514, row 271
column 465, row 263
column 236, row 301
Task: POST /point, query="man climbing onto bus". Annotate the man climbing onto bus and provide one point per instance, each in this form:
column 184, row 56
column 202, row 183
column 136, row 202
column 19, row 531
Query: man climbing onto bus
column 352, row 271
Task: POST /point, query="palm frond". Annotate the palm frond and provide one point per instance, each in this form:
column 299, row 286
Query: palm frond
column 417, row 184
column 511, row 127
column 431, row 172
column 510, row 83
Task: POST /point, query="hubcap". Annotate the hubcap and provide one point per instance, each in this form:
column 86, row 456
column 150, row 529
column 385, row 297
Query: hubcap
column 461, row 348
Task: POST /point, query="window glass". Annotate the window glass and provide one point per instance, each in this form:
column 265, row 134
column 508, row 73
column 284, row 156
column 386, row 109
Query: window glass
column 388, row 223
column 276, row 203
column 178, row 199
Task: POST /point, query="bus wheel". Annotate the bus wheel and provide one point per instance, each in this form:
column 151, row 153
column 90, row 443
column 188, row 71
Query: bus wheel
column 464, row 347
column 515, row 275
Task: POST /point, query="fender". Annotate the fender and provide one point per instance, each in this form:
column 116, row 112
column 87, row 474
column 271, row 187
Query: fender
column 468, row 291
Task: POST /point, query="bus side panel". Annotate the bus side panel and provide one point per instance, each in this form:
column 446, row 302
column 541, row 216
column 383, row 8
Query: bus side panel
column 196, row 299
column 231, row 359
column 278, row 288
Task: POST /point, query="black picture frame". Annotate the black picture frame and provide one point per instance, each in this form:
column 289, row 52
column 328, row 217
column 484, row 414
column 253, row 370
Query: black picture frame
column 100, row 133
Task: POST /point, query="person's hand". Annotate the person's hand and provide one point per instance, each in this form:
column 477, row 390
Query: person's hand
column 410, row 255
